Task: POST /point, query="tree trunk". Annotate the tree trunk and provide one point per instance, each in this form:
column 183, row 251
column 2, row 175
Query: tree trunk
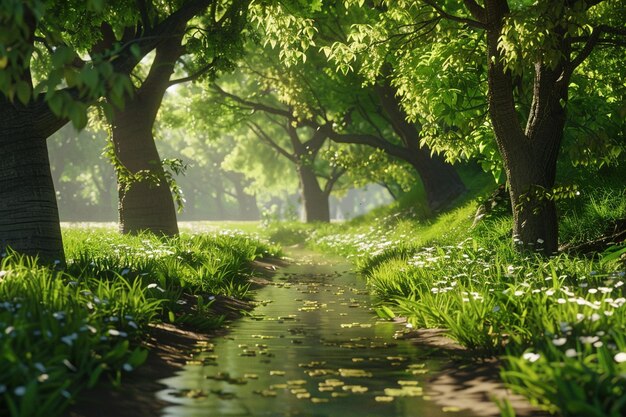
column 219, row 199
column 529, row 156
column 145, row 205
column 248, row 209
column 442, row 183
column 314, row 200
column 29, row 216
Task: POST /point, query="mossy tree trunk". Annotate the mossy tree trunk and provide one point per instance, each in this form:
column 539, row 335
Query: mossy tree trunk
column 529, row 155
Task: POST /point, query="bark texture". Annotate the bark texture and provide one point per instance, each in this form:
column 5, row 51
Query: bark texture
column 29, row 217
column 314, row 200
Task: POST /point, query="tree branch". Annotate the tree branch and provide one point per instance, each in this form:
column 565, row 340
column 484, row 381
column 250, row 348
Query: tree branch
column 446, row 15
column 476, row 10
column 370, row 140
column 366, row 116
column 592, row 41
column 336, row 173
column 586, row 51
column 263, row 136
column 251, row 104
column 143, row 11
column 195, row 75
column 169, row 27
column 317, row 140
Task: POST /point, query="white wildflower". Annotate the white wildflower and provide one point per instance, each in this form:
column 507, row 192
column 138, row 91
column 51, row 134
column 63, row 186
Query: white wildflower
column 69, row 365
column 587, row 340
column 531, row 356
column 620, row 357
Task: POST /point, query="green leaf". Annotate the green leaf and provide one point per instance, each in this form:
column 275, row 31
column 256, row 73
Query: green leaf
column 78, row 115
column 95, row 375
column 385, row 312
column 55, row 102
column 89, row 77
column 135, row 50
column 612, row 254
column 138, row 357
column 71, row 77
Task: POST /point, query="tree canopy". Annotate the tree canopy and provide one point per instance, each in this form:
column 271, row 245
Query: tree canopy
column 391, row 92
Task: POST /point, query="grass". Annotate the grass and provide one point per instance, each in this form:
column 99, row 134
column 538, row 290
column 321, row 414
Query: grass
column 64, row 330
column 558, row 323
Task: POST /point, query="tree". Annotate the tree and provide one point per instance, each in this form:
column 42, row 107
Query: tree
column 441, row 182
column 279, row 129
column 40, row 91
column 528, row 57
column 355, row 109
column 29, row 220
column 211, row 191
column 530, row 153
column 145, row 202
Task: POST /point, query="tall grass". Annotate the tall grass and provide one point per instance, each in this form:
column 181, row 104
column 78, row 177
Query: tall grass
column 63, row 330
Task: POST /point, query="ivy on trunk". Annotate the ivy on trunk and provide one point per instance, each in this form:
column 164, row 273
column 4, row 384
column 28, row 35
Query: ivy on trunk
column 145, row 200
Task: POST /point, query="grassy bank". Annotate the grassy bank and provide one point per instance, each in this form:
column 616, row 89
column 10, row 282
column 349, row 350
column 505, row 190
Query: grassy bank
column 558, row 323
column 62, row 330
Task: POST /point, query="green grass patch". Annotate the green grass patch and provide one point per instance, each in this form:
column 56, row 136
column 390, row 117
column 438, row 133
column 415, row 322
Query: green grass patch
column 63, row 330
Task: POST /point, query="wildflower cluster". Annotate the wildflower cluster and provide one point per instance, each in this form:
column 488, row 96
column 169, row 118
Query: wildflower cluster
column 544, row 314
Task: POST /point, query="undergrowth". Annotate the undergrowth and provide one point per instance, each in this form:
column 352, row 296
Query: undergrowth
column 64, row 330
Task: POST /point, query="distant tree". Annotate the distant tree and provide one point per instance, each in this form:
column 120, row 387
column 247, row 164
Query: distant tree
column 210, row 190
column 276, row 127
column 352, row 108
